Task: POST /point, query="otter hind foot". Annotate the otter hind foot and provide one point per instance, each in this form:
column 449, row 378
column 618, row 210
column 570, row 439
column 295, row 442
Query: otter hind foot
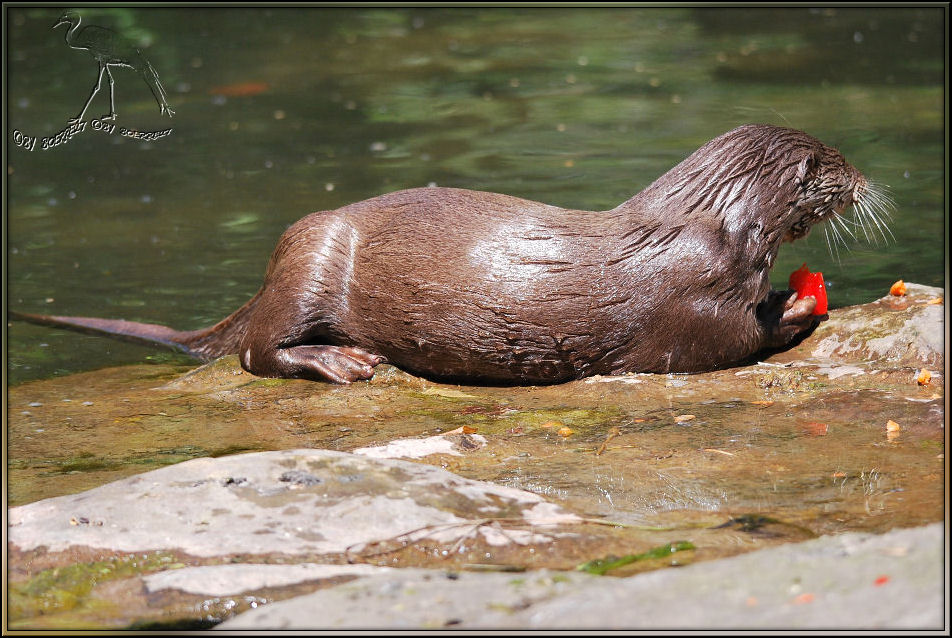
column 334, row 363
column 337, row 364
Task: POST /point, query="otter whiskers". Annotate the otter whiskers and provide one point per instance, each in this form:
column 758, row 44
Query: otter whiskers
column 871, row 216
column 873, row 209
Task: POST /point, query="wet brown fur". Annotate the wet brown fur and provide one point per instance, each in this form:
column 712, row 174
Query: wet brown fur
column 481, row 287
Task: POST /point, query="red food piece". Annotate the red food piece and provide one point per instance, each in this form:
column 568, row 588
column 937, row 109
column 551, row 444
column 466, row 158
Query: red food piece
column 809, row 284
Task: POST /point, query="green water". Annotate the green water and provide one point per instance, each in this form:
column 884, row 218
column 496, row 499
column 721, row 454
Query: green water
column 575, row 107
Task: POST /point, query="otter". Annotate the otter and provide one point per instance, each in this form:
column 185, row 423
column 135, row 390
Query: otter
column 478, row 287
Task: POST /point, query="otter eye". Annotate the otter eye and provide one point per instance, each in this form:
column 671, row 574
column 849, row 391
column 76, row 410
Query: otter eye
column 805, row 168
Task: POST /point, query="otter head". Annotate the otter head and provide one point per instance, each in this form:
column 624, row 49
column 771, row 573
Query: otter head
column 791, row 181
column 752, row 188
column 828, row 185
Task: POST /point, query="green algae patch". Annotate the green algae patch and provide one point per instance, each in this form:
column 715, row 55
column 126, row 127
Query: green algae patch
column 766, row 525
column 232, row 449
column 69, row 589
column 601, row 566
column 86, row 463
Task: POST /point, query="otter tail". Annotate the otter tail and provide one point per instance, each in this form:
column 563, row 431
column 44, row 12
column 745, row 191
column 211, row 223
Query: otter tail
column 206, row 344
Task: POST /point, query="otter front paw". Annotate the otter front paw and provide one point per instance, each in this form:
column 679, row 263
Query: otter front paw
column 797, row 317
column 788, row 317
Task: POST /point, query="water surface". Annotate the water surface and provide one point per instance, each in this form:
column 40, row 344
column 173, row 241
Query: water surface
column 281, row 112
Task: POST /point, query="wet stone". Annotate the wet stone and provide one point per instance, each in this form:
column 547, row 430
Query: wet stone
column 831, row 582
column 893, row 330
column 188, row 509
column 298, row 477
column 234, row 579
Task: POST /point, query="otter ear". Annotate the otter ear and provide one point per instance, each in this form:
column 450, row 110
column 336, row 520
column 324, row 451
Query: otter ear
column 805, row 169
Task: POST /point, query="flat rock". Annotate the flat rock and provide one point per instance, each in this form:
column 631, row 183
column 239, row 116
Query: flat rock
column 906, row 330
column 853, row 581
column 290, row 502
column 235, row 579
